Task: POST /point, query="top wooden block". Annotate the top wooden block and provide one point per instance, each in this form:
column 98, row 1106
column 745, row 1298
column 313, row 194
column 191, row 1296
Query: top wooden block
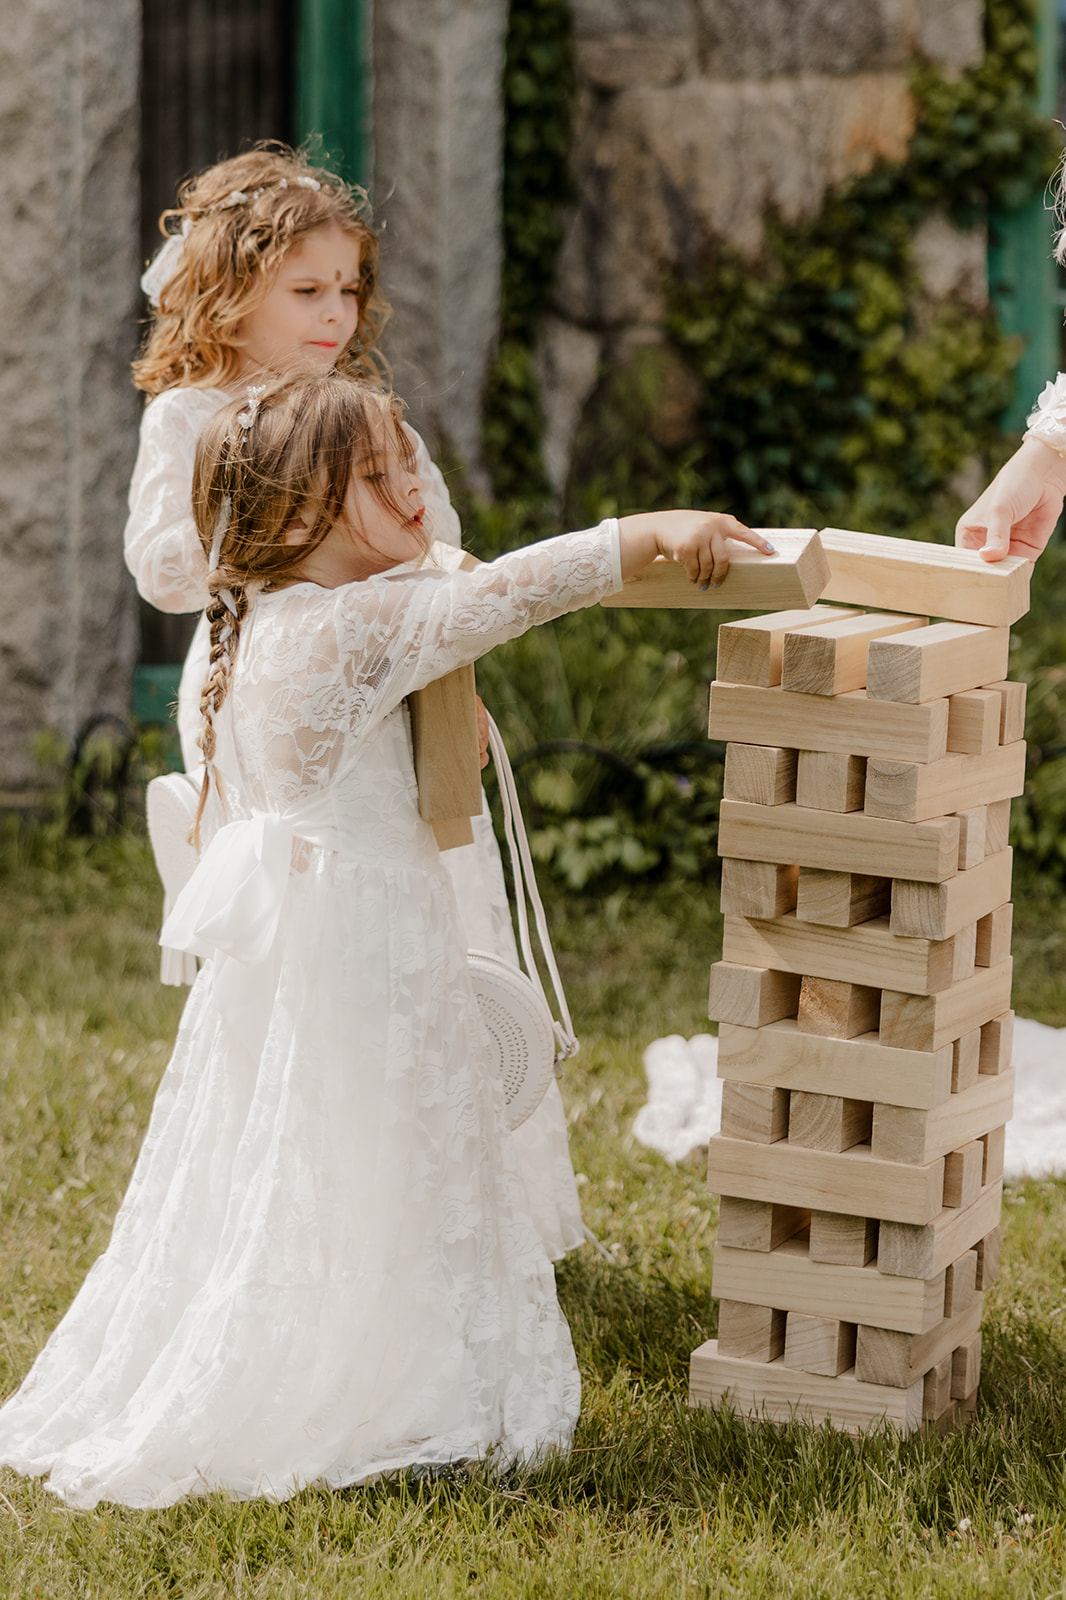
column 906, row 574
column 794, row 577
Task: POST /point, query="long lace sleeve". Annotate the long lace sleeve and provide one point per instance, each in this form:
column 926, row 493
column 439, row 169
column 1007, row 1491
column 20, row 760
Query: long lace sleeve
column 162, row 547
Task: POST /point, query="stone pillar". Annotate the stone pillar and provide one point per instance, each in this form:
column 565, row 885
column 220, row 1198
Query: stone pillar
column 438, row 127
column 68, row 281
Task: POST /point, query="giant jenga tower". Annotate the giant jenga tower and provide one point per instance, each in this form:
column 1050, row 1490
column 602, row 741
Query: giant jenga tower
column 864, row 991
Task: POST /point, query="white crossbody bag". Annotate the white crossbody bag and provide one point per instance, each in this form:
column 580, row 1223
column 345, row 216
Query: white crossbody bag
column 530, row 1042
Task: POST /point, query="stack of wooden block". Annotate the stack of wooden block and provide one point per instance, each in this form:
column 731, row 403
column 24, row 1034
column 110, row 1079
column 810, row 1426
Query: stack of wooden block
column 864, row 991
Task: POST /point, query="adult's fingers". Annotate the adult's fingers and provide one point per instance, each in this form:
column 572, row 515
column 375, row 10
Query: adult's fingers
column 997, row 536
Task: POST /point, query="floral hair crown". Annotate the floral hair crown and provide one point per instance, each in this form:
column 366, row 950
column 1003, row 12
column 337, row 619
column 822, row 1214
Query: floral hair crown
column 167, row 259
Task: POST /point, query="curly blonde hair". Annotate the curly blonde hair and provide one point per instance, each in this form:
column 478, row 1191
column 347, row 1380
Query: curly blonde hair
column 293, row 461
column 233, row 249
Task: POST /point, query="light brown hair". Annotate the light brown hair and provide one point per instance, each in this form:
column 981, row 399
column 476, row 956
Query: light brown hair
column 284, row 456
column 233, row 249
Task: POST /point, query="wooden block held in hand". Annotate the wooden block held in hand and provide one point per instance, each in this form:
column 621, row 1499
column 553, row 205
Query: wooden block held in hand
column 843, row 1241
column 962, row 1174
column 447, row 753
column 906, row 791
column 758, row 1224
column 879, row 570
column 758, row 888
column 973, row 723
column 761, row 775
column 1012, row 719
column 960, row 1284
column 830, row 780
column 988, row 1252
column 754, row 1333
column 830, row 659
column 997, row 1039
column 828, row 1121
column 752, row 1111
column 965, row 1061
column 837, row 1010
column 993, row 936
column 995, row 1142
column 841, row 899
column 750, row 651
column 935, row 662
column 973, row 826
column 936, row 1394
column 794, row 578
column 819, row 1344
column 751, row 996
column 965, row 1367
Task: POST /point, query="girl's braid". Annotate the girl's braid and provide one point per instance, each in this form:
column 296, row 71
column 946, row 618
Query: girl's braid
column 225, row 626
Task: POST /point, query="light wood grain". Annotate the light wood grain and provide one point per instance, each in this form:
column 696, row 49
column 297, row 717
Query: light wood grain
column 966, row 1061
column 995, row 1143
column 830, row 780
column 830, row 657
column 758, row 888
column 750, row 1333
column 988, row 1254
column 852, row 1182
column 788, row 1278
column 997, row 1039
column 818, row 1344
column 936, row 911
column 764, row 775
column 842, row 1241
column 837, row 1010
column 973, row 831
column 884, row 1355
column 837, row 899
column 936, row 661
column 848, row 723
column 781, row 1394
column 758, row 1224
column 936, row 1397
column 754, row 1111
column 960, row 1285
column 973, row 722
column 909, row 791
column 751, row 996
column 827, row 1121
column 993, row 936
column 792, row 579
column 870, row 953
column 922, row 1251
column 872, row 569
column 962, row 1174
column 750, row 651
column 997, row 826
column 447, row 755
column 788, row 834
column 863, row 1068
column 903, row 1133
column 1012, row 710
column 966, row 1367
column 925, row 1022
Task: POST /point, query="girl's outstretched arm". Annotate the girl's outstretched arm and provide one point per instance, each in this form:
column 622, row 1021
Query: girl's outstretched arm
column 1017, row 513
column 696, row 540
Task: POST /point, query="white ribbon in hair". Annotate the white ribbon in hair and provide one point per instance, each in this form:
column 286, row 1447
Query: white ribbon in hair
column 164, row 264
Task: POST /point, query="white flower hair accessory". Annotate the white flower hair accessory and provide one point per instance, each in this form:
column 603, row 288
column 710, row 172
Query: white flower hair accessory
column 1047, row 421
column 255, row 393
column 164, row 264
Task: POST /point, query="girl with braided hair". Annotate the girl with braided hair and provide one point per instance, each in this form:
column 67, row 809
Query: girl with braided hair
column 269, row 263
column 325, row 1267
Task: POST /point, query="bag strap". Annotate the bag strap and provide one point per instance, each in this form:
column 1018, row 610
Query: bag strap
column 525, row 883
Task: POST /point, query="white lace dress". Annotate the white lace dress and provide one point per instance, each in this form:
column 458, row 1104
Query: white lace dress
column 164, row 554
column 324, row 1267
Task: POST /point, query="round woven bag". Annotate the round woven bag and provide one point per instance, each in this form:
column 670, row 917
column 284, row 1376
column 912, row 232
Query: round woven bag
column 519, row 1024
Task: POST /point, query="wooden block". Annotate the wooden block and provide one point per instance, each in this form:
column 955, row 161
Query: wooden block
column 792, row 579
column 960, row 1285
column 962, row 1174
column 936, row 1395
column 903, row 1134
column 828, row 1121
column 819, row 1344
column 781, row 1394
column 837, row 1010
column 870, row 953
column 997, row 1040
column 973, row 722
column 1012, row 710
column 752, row 1333
column 995, row 1142
column 935, row 662
column 841, row 899
column 453, row 833
column 966, row 1367
column 758, row 1224
column 965, row 1061
column 883, row 1355
column 875, row 570
column 447, row 754
column 788, row 1278
column 904, row 791
column 848, row 723
column 864, row 1069
column 750, row 651
column 997, row 826
column 829, row 780
column 928, row 853
column 758, row 888
column 851, row 1182
column 993, row 936
column 830, row 658
column 988, row 1253
column 841, row 1240
column 973, row 828
column 751, row 996
column 763, row 775
column 938, row 910
column 753, row 1111
column 924, row 1251
column 964, row 958
column 925, row 1022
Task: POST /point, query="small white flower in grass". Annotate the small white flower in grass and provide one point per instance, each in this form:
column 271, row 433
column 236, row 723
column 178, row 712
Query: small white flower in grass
column 964, row 1525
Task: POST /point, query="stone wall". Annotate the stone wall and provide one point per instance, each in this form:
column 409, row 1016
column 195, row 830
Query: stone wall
column 696, row 116
column 438, row 123
column 68, row 278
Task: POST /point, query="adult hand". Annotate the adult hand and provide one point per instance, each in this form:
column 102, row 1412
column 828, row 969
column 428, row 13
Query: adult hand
column 1017, row 513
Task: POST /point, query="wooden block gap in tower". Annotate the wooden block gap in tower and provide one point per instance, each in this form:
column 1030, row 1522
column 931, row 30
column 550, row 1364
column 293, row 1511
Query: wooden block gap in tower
column 843, row 1241
column 830, row 658
column 754, row 1111
column 962, row 1174
column 997, row 826
column 960, row 1284
column 828, row 1121
column 936, row 661
column 750, row 651
column 988, row 1254
column 818, row 1344
column 973, row 832
column 997, row 1039
column 993, row 936
column 966, row 1061
column 995, row 1143
column 1012, row 710
column 965, row 1367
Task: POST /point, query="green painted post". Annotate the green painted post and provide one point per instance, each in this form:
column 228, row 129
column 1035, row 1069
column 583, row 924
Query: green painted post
column 332, row 83
column 1023, row 280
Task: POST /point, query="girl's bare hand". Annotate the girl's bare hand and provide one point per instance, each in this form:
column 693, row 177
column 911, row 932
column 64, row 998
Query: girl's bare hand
column 1017, row 513
column 696, row 540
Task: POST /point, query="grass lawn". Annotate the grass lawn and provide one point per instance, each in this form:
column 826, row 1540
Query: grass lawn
column 655, row 1499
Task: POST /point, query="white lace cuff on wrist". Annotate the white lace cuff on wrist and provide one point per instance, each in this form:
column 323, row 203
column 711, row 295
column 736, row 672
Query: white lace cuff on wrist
column 1047, row 421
